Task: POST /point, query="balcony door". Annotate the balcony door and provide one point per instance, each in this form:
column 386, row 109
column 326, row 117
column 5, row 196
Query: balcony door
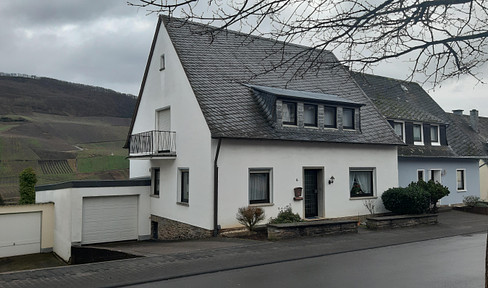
column 164, row 120
column 163, row 139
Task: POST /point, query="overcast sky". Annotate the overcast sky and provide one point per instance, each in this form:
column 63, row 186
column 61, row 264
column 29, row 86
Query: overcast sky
column 106, row 43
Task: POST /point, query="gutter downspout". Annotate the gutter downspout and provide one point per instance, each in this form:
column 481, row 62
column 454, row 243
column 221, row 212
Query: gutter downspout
column 216, row 191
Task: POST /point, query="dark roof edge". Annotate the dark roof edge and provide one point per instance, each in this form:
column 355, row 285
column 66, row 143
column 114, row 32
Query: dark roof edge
column 143, row 84
column 307, row 141
column 442, row 157
column 95, row 183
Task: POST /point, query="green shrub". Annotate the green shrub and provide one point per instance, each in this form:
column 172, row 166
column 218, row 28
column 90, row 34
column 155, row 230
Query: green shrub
column 435, row 189
column 471, row 201
column 27, row 183
column 409, row 200
column 250, row 216
column 285, row 216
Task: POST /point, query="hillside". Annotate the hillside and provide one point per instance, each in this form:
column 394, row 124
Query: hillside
column 65, row 131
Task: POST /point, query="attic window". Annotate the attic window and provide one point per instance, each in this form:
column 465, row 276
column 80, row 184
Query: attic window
column 310, row 115
column 162, row 64
column 289, row 113
column 348, row 118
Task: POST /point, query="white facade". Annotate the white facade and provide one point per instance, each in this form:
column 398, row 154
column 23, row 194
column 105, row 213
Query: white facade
column 68, row 212
column 169, row 88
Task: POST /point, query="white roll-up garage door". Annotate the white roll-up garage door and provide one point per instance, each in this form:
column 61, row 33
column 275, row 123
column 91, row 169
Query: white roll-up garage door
column 20, row 234
column 109, row 219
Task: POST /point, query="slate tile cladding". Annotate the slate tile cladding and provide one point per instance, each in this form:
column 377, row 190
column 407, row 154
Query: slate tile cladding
column 464, row 140
column 217, row 65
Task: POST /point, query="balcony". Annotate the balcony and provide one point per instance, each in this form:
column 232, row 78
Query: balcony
column 153, row 144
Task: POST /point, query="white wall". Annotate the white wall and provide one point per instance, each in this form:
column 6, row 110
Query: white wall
column 288, row 159
column 69, row 207
column 170, row 88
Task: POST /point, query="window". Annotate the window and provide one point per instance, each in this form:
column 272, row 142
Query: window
column 259, row 186
column 162, row 64
column 361, row 183
column 310, row 115
column 434, row 134
column 420, row 175
column 398, row 127
column 184, row 185
column 461, row 179
column 330, row 116
column 289, row 113
column 417, row 134
column 348, row 118
column 156, row 181
column 435, row 175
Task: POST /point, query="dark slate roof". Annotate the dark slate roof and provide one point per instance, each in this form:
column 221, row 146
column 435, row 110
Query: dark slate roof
column 402, row 100
column 218, row 65
column 463, row 139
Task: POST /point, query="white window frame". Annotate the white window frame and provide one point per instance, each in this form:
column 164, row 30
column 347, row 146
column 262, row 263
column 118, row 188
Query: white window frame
column 403, row 128
column 464, row 181
column 179, row 185
column 373, row 175
column 438, row 142
column 440, row 175
column 270, row 185
column 421, row 142
column 423, row 174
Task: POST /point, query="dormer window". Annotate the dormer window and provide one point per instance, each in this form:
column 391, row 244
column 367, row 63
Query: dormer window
column 399, row 129
column 330, row 117
column 289, row 113
column 348, row 118
column 434, row 135
column 310, row 115
column 417, row 134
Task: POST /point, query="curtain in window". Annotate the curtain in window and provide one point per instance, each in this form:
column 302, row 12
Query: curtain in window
column 185, row 186
column 361, row 183
column 348, row 118
column 460, row 179
column 399, row 129
column 310, row 115
column 417, row 132
column 258, row 187
column 434, row 133
column 288, row 113
column 330, row 117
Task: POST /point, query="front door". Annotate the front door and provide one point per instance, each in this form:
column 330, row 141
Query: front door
column 311, row 193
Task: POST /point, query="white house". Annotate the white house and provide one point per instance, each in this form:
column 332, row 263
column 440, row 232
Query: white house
column 225, row 120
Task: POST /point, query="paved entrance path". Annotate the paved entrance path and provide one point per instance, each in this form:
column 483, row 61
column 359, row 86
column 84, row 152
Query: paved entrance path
column 194, row 257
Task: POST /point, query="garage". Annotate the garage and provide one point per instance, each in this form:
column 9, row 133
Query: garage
column 21, row 234
column 109, row 219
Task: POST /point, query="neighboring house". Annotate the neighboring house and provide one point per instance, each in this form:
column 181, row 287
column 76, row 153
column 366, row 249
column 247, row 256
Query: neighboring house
column 471, row 138
column 433, row 147
column 229, row 120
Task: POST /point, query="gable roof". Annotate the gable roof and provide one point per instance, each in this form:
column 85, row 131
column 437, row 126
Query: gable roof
column 402, row 100
column 219, row 65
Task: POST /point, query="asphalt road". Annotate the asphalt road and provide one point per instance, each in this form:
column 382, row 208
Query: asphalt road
column 457, row 261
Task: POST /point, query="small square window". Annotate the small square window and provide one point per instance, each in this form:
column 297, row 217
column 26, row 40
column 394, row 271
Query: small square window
column 348, row 118
column 259, row 186
column 156, row 181
column 461, row 179
column 289, row 113
column 434, row 134
column 398, row 126
column 361, row 183
column 330, row 120
column 417, row 133
column 310, row 115
column 184, row 185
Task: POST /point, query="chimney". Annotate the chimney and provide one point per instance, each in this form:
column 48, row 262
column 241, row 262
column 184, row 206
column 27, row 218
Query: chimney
column 473, row 117
column 458, row 111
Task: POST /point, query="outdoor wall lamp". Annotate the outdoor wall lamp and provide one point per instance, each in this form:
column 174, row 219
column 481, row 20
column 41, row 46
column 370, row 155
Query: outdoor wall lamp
column 331, row 180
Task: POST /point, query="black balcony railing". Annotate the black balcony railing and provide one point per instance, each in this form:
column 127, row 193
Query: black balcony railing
column 153, row 143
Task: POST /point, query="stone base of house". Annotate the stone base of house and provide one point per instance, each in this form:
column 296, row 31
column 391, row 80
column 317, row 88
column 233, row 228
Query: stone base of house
column 311, row 228
column 399, row 221
column 167, row 229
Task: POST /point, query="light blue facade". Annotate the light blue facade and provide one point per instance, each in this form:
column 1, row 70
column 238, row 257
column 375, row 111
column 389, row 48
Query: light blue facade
column 408, row 171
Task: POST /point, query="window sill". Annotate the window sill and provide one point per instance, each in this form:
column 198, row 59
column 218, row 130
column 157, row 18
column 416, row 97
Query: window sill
column 261, row 205
column 418, row 143
column 311, row 127
column 363, row 198
column 154, row 196
column 461, row 191
column 183, row 204
column 435, row 144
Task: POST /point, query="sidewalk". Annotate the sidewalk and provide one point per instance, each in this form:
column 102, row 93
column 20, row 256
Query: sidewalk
column 195, row 257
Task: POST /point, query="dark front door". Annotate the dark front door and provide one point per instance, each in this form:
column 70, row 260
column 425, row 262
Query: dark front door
column 311, row 193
